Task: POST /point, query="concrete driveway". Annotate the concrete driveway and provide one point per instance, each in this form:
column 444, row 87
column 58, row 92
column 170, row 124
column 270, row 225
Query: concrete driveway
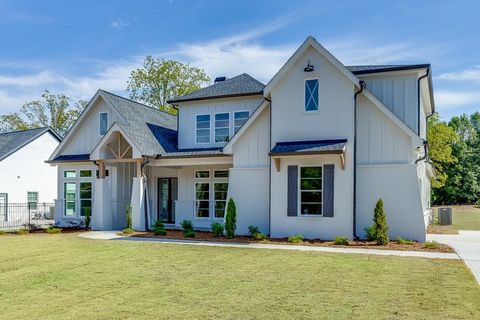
column 467, row 245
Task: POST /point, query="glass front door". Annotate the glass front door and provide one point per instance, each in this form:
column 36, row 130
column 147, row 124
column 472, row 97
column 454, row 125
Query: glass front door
column 167, row 194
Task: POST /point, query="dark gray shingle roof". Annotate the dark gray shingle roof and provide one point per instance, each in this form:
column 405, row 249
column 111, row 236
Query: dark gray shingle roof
column 73, row 157
column 314, row 146
column 138, row 116
column 241, row 85
column 12, row 141
column 365, row 69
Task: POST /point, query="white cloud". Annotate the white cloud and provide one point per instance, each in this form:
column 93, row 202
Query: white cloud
column 447, row 99
column 470, row 74
column 119, row 24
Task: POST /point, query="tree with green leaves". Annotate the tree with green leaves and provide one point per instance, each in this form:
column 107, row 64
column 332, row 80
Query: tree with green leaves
column 380, row 223
column 441, row 138
column 160, row 80
column 231, row 219
column 53, row 110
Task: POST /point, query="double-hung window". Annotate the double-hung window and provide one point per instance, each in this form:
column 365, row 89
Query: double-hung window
column 203, row 128
column 222, row 127
column 103, row 123
column 85, row 198
column 32, row 199
column 311, row 190
column 311, row 95
column 202, row 194
column 239, row 118
column 220, row 188
column 69, row 190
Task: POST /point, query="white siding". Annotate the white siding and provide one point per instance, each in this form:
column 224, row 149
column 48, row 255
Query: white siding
column 26, row 170
column 334, row 120
column 399, row 94
column 88, row 135
column 189, row 110
column 379, row 139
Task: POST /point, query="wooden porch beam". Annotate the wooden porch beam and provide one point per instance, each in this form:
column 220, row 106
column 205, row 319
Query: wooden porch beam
column 139, row 169
column 101, row 170
column 125, row 152
column 277, row 163
column 122, row 160
column 113, row 151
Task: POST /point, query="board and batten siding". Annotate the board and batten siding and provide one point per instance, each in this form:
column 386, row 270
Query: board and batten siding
column 189, row 110
column 88, row 135
column 399, row 94
column 380, row 140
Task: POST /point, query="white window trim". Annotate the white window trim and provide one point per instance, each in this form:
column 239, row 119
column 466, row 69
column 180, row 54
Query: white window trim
column 218, row 181
column 209, row 128
column 100, row 123
column 77, row 180
column 207, row 181
column 74, row 216
column 65, row 170
column 299, row 192
column 304, row 86
column 238, row 111
column 211, row 180
column 195, row 174
column 215, row 127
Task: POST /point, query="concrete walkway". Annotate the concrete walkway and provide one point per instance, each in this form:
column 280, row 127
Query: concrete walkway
column 466, row 244
column 111, row 235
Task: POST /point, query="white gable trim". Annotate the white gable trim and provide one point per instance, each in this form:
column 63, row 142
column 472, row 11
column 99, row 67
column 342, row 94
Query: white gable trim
column 393, row 117
column 227, row 149
column 95, row 154
column 309, row 42
column 82, row 116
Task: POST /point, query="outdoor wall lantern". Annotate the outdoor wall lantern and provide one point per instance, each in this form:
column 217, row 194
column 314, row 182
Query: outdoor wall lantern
column 309, row 67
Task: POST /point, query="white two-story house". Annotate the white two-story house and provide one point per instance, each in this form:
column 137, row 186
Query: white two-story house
column 308, row 153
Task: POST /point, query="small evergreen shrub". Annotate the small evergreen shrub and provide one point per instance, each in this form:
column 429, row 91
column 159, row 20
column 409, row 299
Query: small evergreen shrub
column 53, row 230
column 217, row 229
column 431, row 244
column 341, row 241
column 187, row 225
column 129, row 217
column 159, row 228
column 370, row 233
column 189, row 234
column 22, row 231
column 127, row 231
column 260, row 236
column 380, row 221
column 253, row 230
column 88, row 218
column 404, row 241
column 231, row 219
column 2, row 233
column 298, row 238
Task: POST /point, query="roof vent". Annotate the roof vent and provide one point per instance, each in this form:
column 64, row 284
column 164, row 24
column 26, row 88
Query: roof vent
column 220, row 79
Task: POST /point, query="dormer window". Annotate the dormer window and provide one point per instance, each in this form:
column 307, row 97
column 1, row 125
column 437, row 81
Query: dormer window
column 103, row 123
column 311, row 95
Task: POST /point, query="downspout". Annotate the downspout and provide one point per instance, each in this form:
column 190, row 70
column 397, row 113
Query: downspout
column 362, row 86
column 270, row 169
column 145, row 203
column 425, row 142
column 418, row 98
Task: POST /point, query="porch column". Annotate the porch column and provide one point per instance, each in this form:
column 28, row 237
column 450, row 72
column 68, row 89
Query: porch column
column 101, row 208
column 138, row 204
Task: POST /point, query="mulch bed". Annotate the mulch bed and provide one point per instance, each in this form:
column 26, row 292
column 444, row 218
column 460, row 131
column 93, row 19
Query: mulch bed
column 208, row 236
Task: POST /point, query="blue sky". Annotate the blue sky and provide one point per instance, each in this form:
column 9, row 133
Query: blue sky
column 76, row 47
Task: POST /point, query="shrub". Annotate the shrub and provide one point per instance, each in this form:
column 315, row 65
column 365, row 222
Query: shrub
column 404, row 241
column 87, row 218
column 2, row 233
column 217, row 229
column 431, row 244
column 231, row 219
column 127, row 231
column 260, row 236
column 189, row 234
column 54, row 230
column 187, row 225
column 341, row 241
column 253, row 230
column 380, row 221
column 370, row 233
column 159, row 228
column 129, row 217
column 298, row 238
column 23, row 231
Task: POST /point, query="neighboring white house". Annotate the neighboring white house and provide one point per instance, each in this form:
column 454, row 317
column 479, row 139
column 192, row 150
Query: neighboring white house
column 25, row 178
column 311, row 152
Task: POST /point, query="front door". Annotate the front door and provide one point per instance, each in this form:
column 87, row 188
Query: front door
column 167, row 194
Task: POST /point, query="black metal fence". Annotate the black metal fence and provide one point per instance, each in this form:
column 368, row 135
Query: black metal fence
column 26, row 215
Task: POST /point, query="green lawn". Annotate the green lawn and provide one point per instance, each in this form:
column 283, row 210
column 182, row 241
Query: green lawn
column 67, row 277
column 463, row 218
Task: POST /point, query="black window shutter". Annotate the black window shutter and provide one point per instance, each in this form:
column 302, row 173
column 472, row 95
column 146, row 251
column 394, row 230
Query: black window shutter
column 328, row 189
column 292, row 196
